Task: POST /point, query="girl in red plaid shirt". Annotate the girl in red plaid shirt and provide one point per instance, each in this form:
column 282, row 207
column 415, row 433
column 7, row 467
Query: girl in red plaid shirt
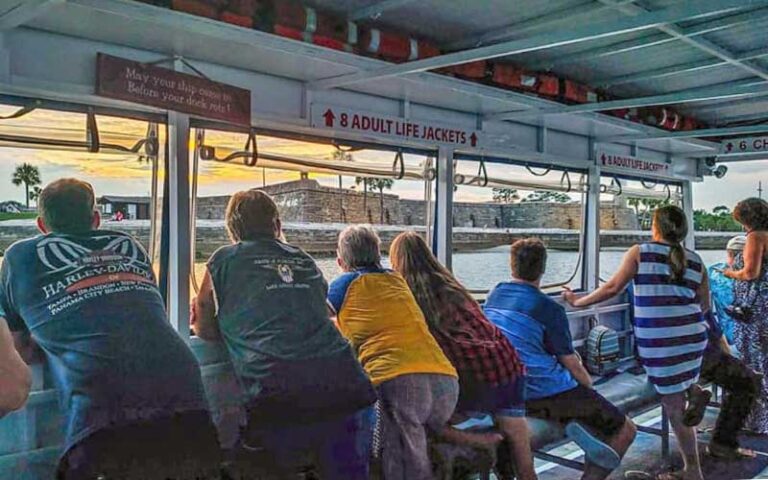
column 491, row 375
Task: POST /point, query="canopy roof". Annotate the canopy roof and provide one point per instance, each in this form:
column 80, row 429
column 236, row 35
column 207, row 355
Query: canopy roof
column 704, row 44
column 708, row 58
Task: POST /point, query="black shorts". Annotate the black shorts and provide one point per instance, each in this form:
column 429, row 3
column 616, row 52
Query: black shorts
column 582, row 404
column 183, row 447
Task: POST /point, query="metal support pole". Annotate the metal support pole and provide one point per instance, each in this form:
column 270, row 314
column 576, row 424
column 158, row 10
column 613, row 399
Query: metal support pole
column 690, row 240
column 5, row 59
column 180, row 268
column 541, row 139
column 155, row 212
column 665, row 456
column 591, row 268
column 444, row 205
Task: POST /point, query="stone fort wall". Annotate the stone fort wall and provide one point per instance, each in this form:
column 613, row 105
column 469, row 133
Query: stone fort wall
column 308, row 201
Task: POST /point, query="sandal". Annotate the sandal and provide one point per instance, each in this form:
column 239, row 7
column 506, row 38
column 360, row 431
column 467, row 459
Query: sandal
column 637, row 475
column 698, row 399
column 676, row 475
column 722, row 452
column 640, row 475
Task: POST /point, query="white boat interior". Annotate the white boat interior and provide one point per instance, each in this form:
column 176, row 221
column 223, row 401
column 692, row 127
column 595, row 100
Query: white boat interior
column 649, row 93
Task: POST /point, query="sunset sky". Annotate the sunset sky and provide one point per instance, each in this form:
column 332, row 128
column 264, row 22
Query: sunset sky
column 124, row 174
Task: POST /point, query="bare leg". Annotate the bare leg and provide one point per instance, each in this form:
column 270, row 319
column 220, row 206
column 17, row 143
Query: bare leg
column 686, row 436
column 515, row 429
column 594, row 472
column 620, row 442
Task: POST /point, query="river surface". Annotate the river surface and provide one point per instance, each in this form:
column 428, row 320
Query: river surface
column 482, row 269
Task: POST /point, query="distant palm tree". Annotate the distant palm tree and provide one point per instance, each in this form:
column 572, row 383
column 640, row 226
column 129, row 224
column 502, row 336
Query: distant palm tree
column 505, row 195
column 379, row 184
column 27, row 174
column 34, row 194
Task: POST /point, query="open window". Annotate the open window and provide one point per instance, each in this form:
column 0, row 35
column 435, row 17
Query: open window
column 320, row 186
column 120, row 155
column 497, row 203
column 714, row 200
column 626, row 213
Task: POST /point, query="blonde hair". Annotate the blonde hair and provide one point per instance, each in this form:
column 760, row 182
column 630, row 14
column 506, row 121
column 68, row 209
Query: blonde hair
column 436, row 290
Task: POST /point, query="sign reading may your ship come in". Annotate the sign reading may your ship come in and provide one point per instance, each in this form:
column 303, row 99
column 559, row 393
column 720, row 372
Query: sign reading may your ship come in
column 137, row 82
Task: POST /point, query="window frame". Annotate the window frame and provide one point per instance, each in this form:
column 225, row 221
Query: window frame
column 578, row 273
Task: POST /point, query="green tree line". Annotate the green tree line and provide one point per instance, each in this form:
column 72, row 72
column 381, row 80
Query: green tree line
column 720, row 219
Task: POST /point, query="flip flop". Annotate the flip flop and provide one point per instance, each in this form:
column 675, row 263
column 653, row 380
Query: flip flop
column 596, row 451
column 637, row 475
column 676, row 475
column 698, row 399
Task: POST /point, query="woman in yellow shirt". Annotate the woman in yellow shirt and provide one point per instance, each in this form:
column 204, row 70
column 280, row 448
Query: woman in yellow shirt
column 417, row 385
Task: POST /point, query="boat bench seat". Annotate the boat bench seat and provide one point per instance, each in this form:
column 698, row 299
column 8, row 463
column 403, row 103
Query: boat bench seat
column 627, row 391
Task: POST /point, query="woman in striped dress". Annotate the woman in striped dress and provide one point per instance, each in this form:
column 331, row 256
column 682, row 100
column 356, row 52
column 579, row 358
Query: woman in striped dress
column 671, row 297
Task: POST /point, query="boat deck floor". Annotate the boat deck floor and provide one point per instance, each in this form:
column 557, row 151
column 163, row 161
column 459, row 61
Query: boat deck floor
column 645, row 455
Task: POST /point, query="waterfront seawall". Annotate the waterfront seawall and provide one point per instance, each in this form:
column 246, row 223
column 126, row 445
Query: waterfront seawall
column 320, row 238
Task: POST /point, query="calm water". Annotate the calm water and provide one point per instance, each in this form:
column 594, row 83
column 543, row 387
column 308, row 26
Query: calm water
column 482, row 269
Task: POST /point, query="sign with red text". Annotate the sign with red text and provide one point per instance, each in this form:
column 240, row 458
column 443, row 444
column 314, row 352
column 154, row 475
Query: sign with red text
column 358, row 121
column 736, row 146
column 159, row 87
column 632, row 165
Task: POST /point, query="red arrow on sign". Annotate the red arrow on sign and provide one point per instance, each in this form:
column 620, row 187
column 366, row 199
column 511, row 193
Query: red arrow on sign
column 329, row 118
column 728, row 147
column 473, row 139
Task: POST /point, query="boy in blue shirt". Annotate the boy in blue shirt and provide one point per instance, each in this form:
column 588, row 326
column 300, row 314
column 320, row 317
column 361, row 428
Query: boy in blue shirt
column 558, row 386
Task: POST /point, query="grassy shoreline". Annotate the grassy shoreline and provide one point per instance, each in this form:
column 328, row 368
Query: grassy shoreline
column 17, row 216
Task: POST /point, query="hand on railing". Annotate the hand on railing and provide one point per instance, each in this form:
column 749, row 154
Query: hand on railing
column 569, row 296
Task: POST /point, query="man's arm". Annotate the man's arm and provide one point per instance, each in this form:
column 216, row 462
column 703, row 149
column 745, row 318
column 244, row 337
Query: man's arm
column 573, row 364
column 204, row 321
column 15, row 375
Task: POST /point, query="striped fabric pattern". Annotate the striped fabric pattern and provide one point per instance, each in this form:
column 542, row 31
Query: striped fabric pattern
column 669, row 329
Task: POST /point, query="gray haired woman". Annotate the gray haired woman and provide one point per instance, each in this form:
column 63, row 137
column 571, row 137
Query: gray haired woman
column 417, row 385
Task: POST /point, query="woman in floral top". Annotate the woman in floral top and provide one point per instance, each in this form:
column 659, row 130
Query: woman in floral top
column 491, row 375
